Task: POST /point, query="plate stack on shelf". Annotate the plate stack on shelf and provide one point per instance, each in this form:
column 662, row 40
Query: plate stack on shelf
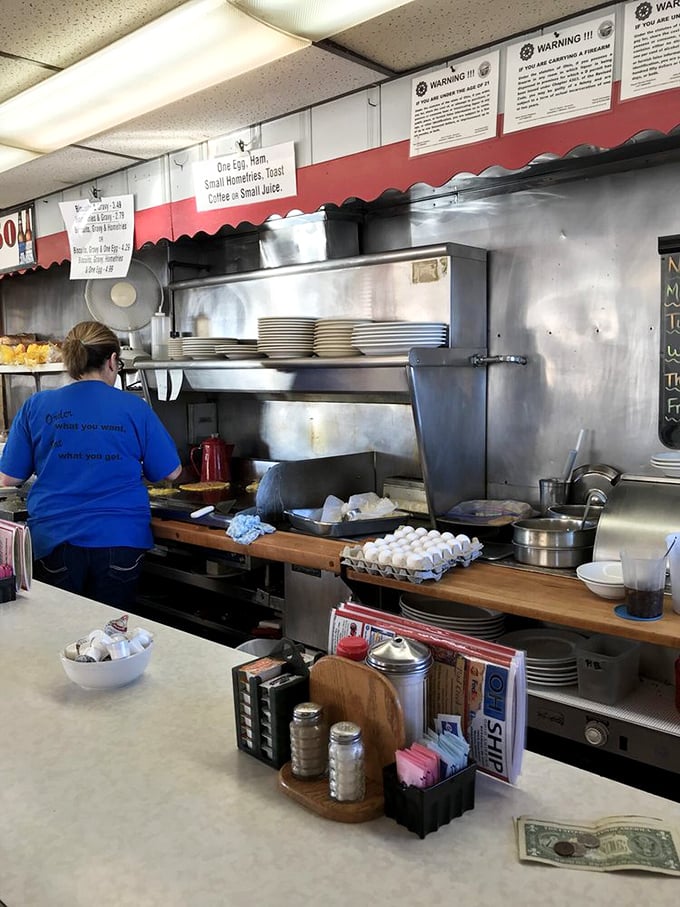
column 240, row 349
column 203, row 347
column 285, row 338
column 395, row 338
column 482, row 623
column 175, row 348
column 668, row 462
column 333, row 337
column 551, row 654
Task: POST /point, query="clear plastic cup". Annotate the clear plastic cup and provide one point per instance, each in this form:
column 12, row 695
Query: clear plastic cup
column 674, row 566
column 644, row 579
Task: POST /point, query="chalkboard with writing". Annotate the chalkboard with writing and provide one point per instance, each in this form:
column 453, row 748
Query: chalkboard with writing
column 669, row 389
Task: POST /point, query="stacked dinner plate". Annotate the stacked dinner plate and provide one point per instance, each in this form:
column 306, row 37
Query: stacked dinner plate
column 333, row 337
column 241, row 349
column 203, row 347
column 175, row 348
column 285, row 338
column 668, row 462
column 473, row 621
column 394, row 338
column 550, row 654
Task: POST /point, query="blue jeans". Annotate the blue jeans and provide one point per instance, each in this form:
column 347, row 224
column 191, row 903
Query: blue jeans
column 108, row 575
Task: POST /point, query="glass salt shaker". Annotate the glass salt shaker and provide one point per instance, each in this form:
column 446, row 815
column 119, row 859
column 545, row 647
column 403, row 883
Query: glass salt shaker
column 308, row 741
column 346, row 771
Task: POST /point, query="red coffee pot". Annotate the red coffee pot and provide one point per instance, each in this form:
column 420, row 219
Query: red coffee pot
column 215, row 460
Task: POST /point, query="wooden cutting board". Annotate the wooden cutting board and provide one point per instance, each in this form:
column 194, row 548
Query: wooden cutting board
column 351, row 691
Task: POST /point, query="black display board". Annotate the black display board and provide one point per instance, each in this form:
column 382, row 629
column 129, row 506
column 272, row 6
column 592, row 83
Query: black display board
column 669, row 383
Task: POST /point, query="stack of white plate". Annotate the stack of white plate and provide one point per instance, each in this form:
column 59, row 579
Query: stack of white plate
column 285, row 338
column 550, row 654
column 473, row 621
column 333, row 337
column 242, row 349
column 203, row 347
column 175, row 348
column 668, row 462
column 394, row 338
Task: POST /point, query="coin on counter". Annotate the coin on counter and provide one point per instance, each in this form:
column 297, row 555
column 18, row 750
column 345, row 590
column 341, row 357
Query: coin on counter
column 564, row 848
column 579, row 849
column 590, row 841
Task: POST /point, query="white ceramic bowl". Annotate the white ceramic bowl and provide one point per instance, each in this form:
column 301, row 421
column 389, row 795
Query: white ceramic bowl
column 106, row 675
column 604, row 578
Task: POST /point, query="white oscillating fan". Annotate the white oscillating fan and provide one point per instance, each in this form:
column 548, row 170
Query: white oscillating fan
column 126, row 304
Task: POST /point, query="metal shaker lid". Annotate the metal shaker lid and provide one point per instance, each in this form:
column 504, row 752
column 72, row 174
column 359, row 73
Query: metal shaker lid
column 307, row 711
column 345, row 732
column 399, row 656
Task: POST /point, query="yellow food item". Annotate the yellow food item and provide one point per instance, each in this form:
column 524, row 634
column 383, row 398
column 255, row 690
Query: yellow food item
column 205, row 486
column 28, row 354
column 161, row 492
column 252, row 487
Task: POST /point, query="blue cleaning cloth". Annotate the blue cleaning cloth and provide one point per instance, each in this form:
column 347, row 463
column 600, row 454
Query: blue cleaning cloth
column 246, row 527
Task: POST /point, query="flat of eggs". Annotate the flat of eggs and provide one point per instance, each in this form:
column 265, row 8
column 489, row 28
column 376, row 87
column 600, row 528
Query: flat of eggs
column 413, row 554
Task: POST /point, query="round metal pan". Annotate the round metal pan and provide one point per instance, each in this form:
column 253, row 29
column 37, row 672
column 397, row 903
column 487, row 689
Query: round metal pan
column 546, row 532
column 551, row 557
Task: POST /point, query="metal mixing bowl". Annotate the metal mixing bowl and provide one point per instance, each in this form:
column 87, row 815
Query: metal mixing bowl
column 576, row 511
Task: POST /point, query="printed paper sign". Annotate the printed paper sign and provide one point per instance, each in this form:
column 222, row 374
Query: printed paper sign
column 651, row 47
column 564, row 74
column 456, row 105
column 245, row 178
column 100, row 233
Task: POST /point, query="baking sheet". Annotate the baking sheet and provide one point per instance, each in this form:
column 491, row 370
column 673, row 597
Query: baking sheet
column 309, row 520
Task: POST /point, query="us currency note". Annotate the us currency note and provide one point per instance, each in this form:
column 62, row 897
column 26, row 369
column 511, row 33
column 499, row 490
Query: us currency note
column 609, row 844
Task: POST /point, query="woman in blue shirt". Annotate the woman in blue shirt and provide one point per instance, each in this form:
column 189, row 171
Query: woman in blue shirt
column 89, row 445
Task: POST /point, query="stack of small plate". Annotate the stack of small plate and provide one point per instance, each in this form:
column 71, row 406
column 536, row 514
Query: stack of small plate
column 394, row 338
column 175, row 348
column 551, row 654
column 285, row 338
column 241, row 349
column 473, row 621
column 333, row 337
column 203, row 347
column 668, row 462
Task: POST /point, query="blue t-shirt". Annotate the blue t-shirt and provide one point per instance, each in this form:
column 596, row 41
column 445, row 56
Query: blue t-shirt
column 89, row 445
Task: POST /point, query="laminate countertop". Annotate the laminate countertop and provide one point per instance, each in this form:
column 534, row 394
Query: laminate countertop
column 541, row 596
column 139, row 797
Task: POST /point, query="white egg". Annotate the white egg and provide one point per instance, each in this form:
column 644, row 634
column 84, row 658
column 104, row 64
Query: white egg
column 421, row 530
column 380, row 543
column 399, row 559
column 389, row 537
column 385, row 557
column 414, row 562
column 448, row 536
column 463, row 539
column 411, row 537
column 434, row 534
column 369, row 546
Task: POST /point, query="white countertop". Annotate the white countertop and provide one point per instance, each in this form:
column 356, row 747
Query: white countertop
column 139, row 797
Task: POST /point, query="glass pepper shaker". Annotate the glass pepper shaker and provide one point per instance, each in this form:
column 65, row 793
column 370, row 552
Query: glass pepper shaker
column 308, row 741
column 346, row 771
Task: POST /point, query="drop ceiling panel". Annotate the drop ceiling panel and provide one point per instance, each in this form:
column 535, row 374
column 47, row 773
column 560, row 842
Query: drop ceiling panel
column 428, row 30
column 52, row 173
column 300, row 80
column 18, row 75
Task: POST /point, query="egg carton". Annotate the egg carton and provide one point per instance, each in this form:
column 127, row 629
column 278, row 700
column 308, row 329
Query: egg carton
column 352, row 556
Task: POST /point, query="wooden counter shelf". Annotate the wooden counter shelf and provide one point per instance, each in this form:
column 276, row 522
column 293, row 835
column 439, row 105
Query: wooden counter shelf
column 283, row 547
column 540, row 596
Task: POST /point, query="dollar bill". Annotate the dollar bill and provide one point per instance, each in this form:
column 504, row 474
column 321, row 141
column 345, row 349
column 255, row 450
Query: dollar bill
column 609, row 844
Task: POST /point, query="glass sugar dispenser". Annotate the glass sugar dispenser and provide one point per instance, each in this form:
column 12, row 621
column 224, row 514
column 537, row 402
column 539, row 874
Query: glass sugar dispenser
column 346, row 769
column 308, row 741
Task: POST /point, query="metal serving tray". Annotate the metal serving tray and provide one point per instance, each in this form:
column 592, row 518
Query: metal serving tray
column 309, row 520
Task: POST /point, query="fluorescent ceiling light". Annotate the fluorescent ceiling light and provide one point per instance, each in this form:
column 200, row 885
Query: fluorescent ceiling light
column 317, row 19
column 195, row 46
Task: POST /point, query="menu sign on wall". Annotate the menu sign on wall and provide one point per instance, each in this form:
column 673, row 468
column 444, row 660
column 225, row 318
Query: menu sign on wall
column 564, row 74
column 669, row 392
column 651, row 49
column 245, row 178
column 17, row 242
column 456, row 105
column 100, row 234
